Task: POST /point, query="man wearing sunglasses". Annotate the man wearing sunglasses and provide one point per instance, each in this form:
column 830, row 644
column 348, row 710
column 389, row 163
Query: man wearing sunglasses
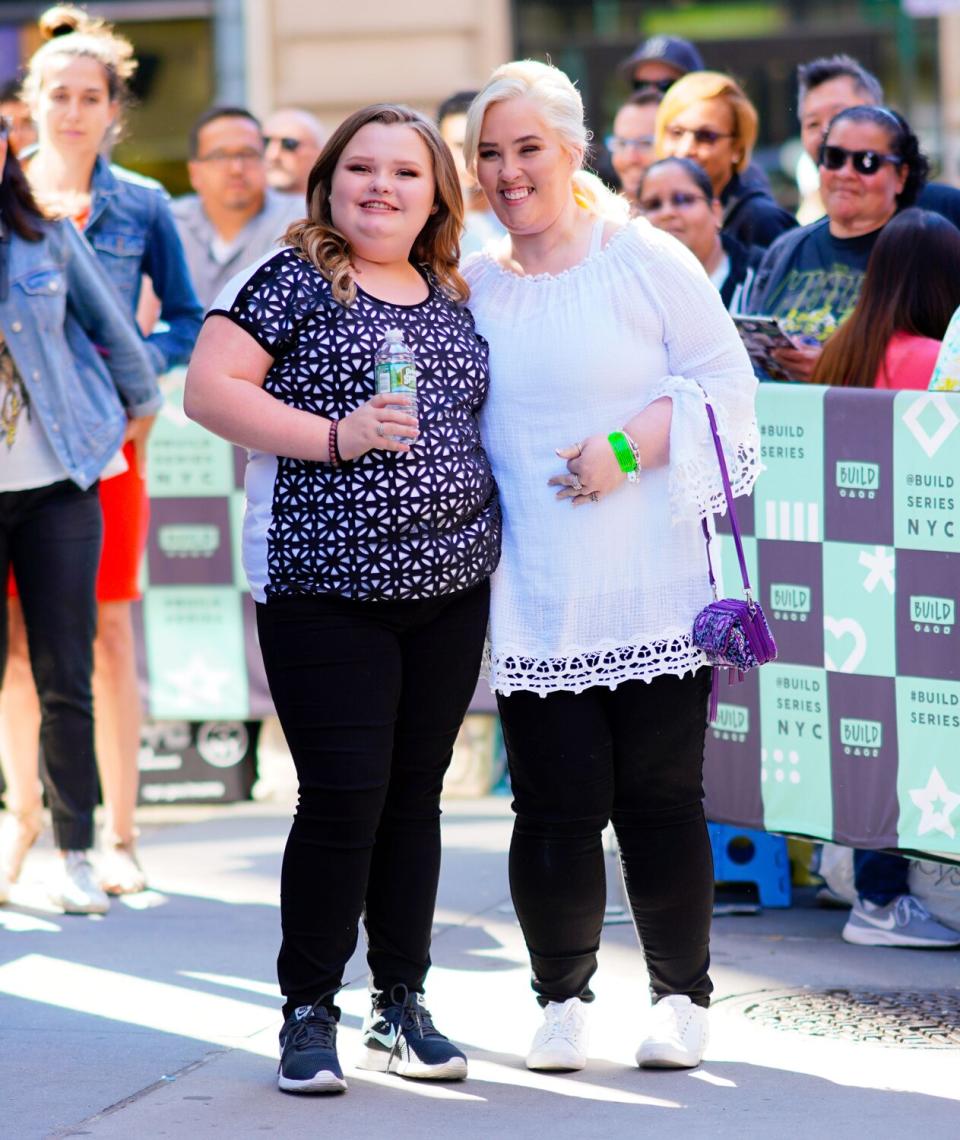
column 292, row 139
column 659, row 62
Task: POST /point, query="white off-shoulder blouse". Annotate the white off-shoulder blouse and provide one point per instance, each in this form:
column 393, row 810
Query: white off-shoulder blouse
column 606, row 592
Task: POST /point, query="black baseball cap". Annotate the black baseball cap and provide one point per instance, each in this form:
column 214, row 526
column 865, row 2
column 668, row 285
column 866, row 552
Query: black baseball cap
column 678, row 53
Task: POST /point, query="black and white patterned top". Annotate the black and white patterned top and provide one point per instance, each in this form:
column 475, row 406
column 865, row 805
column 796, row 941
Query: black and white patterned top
column 388, row 525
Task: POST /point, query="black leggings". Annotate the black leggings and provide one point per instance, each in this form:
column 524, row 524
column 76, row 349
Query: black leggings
column 634, row 756
column 371, row 696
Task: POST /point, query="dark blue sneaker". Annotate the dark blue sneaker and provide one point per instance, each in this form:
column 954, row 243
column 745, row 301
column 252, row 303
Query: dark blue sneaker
column 308, row 1052
column 400, row 1037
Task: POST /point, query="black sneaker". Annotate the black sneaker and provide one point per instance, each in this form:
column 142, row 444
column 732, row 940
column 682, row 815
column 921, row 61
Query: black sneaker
column 400, row 1037
column 308, row 1052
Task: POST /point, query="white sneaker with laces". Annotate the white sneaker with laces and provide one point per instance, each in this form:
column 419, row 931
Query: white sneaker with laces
column 75, row 888
column 561, row 1042
column 678, row 1035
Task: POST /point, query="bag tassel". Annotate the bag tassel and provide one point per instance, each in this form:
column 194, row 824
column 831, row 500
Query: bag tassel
column 734, row 677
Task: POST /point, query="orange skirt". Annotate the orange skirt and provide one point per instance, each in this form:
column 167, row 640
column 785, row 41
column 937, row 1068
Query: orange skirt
column 126, row 517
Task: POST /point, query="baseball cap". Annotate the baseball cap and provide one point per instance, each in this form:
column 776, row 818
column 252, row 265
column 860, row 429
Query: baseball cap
column 673, row 50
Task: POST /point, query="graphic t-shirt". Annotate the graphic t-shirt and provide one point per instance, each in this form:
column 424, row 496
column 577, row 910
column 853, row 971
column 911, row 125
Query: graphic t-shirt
column 814, row 287
column 27, row 458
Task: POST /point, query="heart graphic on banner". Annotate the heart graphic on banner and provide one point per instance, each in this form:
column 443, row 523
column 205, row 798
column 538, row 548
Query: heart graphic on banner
column 841, row 629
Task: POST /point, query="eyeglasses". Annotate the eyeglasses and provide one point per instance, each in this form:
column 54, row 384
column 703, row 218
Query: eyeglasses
column 679, row 199
column 615, row 143
column 661, row 85
column 864, row 161
column 702, row 136
column 225, row 157
column 286, row 143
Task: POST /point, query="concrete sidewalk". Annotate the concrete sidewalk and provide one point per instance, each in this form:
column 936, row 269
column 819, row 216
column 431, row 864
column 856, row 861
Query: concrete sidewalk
column 161, row 1019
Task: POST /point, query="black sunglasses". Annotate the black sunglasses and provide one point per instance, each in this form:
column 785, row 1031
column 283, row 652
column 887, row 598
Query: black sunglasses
column 286, row 143
column 864, row 161
column 661, row 85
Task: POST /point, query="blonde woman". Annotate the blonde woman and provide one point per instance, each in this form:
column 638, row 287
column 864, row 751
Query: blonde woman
column 605, row 339
column 706, row 116
column 369, row 537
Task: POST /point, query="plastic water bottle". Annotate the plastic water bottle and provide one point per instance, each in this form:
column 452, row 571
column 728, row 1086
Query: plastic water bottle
column 396, row 373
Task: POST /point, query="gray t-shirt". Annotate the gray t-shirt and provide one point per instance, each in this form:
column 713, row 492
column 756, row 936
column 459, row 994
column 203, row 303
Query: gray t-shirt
column 211, row 260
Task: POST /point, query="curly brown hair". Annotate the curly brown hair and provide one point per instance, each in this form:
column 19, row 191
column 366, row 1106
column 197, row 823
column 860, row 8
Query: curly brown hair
column 437, row 246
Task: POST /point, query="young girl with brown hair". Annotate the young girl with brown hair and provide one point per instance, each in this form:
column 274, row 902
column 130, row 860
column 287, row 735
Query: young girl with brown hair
column 369, row 536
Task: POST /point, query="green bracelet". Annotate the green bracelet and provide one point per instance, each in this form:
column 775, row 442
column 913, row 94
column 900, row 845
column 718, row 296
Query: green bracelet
column 623, row 452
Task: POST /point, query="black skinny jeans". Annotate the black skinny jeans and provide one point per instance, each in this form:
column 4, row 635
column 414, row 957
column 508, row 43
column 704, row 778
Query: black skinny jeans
column 52, row 536
column 371, row 696
column 634, row 756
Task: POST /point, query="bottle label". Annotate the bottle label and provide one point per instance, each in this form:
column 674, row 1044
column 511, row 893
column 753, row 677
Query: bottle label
column 394, row 376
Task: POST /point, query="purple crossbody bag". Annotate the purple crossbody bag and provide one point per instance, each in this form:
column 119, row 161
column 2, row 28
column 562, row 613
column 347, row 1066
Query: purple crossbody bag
column 732, row 632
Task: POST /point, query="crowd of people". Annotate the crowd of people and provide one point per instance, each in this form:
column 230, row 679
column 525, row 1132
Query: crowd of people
column 384, row 539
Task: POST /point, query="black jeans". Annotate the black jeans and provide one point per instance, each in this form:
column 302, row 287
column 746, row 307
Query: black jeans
column 371, row 696
column 52, row 536
column 634, row 756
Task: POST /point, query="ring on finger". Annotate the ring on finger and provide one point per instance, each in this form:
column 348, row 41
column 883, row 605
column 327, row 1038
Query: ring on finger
column 380, row 431
column 579, row 447
column 594, row 497
column 576, row 484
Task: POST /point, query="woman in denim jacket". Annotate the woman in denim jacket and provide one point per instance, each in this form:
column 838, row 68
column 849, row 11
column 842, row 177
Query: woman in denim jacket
column 65, row 409
column 76, row 85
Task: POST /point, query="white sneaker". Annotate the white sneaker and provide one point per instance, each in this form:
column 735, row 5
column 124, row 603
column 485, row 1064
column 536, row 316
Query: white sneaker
column 678, row 1035
column 75, row 889
column 561, row 1042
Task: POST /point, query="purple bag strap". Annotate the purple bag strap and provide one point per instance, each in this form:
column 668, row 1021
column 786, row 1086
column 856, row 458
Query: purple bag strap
column 735, row 527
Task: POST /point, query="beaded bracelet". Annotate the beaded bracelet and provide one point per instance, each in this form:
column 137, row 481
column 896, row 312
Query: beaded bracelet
column 635, row 448
column 625, row 455
column 333, row 450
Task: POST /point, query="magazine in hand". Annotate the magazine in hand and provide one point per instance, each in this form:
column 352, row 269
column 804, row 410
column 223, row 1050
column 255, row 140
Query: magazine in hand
column 761, row 335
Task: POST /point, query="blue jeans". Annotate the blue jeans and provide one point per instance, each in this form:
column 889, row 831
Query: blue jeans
column 51, row 536
column 880, row 877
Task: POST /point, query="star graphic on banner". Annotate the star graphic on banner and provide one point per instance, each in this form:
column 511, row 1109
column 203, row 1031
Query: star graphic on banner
column 936, row 803
column 197, row 683
column 880, row 564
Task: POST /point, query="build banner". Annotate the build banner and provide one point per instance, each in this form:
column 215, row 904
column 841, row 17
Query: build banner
column 853, row 540
column 853, row 543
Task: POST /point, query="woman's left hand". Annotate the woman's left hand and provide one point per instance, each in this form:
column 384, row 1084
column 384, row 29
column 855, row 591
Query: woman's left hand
column 592, row 471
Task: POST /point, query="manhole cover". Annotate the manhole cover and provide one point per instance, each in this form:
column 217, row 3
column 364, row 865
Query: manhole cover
column 913, row 1018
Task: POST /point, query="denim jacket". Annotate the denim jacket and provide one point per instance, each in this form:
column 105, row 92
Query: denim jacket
column 58, row 306
column 132, row 233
